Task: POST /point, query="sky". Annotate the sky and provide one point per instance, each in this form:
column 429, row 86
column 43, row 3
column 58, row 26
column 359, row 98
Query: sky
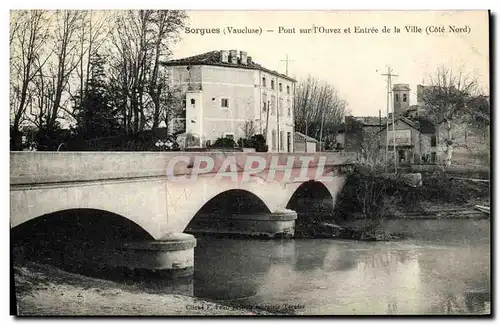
column 351, row 62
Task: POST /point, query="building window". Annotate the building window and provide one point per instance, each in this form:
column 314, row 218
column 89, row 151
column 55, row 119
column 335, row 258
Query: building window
column 289, row 110
column 280, row 108
column 273, row 105
column 282, row 140
column 280, row 86
column 273, row 138
column 433, row 157
column 272, row 84
column 397, row 97
column 192, row 101
column 404, row 97
column 288, row 90
column 263, row 81
column 289, row 141
column 433, row 141
column 264, row 109
column 224, row 102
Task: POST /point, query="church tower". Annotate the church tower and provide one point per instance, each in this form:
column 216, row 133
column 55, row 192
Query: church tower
column 401, row 98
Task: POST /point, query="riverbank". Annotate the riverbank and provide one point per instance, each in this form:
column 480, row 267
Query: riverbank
column 43, row 290
column 369, row 230
column 443, row 269
column 368, row 199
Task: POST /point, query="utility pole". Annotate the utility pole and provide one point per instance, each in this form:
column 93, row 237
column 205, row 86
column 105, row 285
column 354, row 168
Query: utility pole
column 379, row 121
column 305, row 138
column 321, row 130
column 286, row 63
column 267, row 118
column 278, row 144
column 389, row 76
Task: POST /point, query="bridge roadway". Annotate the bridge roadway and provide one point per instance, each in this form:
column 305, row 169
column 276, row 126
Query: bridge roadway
column 161, row 192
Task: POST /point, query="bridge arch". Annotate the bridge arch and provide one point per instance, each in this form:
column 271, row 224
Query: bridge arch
column 112, row 223
column 225, row 204
column 73, row 236
column 142, row 203
column 313, row 201
column 185, row 199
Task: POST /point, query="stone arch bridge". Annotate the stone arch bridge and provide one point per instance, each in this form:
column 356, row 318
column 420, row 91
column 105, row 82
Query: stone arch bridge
column 162, row 192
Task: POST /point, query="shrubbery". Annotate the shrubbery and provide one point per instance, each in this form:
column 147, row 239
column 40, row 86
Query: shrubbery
column 224, row 143
column 368, row 195
column 256, row 141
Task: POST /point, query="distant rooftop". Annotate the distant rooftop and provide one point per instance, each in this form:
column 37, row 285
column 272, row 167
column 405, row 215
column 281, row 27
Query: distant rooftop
column 421, row 123
column 216, row 57
column 370, row 120
column 303, row 137
column 401, row 87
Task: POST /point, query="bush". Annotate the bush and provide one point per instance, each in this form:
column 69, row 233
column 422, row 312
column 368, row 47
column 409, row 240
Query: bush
column 257, row 141
column 368, row 196
column 224, row 143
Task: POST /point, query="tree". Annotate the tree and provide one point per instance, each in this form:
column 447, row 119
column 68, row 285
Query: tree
column 29, row 32
column 68, row 25
column 167, row 24
column 140, row 40
column 51, row 84
column 249, row 129
column 92, row 37
column 251, row 139
column 52, row 58
column 318, row 110
column 94, row 114
column 478, row 112
column 445, row 101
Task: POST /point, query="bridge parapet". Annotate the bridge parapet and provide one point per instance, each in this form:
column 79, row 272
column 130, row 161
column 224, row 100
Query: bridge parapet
column 56, row 167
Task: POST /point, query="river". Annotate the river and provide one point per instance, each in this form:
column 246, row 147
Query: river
column 443, row 269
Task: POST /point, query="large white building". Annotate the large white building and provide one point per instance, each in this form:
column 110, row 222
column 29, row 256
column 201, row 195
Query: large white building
column 225, row 90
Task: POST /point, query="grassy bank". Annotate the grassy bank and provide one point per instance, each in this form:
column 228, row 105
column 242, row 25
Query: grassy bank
column 43, row 290
column 368, row 198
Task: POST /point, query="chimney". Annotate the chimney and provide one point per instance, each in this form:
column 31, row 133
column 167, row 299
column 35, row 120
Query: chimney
column 224, row 56
column 249, row 60
column 243, row 57
column 233, row 56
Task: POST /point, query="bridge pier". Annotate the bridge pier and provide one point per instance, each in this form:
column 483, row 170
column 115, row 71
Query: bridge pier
column 271, row 225
column 171, row 257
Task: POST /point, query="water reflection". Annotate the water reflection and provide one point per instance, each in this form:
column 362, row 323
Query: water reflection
column 421, row 276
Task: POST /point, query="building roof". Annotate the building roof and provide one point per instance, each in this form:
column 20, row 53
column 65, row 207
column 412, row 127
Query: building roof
column 403, row 119
column 370, row 120
column 420, row 123
column 401, row 87
column 214, row 58
column 304, row 137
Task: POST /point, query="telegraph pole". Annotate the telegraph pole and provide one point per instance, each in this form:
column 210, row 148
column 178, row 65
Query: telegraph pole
column 278, row 144
column 286, row 63
column 321, row 130
column 389, row 76
column 305, row 138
